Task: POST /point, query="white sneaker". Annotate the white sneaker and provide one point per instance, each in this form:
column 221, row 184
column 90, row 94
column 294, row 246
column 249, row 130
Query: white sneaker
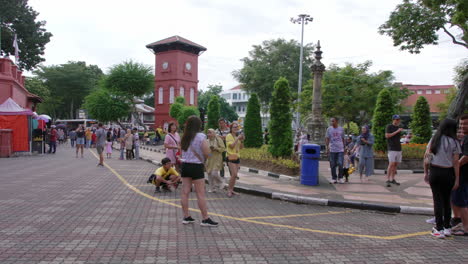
column 438, row 234
column 447, row 232
column 431, row 221
column 341, row 181
column 333, row 181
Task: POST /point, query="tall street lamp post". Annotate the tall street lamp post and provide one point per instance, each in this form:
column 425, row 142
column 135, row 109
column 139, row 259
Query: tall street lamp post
column 301, row 19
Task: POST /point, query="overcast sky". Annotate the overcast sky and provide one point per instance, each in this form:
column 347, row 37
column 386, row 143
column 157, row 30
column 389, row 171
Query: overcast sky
column 105, row 33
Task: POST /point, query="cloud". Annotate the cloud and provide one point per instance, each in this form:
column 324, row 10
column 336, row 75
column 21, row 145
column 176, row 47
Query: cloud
column 108, row 32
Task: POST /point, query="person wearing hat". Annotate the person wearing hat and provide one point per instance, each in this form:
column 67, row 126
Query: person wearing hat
column 393, row 134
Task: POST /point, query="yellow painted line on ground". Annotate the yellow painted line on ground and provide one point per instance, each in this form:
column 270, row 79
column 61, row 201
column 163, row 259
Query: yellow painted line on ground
column 194, row 199
column 295, row 215
column 133, row 188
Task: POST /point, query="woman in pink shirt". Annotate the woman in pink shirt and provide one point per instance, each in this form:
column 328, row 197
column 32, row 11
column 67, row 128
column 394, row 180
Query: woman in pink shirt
column 172, row 143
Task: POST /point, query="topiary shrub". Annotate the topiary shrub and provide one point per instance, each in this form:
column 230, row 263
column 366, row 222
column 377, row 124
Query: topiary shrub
column 383, row 111
column 253, row 124
column 281, row 142
column 213, row 112
column 186, row 112
column 421, row 122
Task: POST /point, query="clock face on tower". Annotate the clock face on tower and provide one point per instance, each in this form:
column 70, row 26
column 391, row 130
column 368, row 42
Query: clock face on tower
column 165, row 65
column 188, row 66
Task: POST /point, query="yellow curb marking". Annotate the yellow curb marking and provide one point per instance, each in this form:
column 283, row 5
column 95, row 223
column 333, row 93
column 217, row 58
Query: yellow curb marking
column 194, row 199
column 295, row 215
column 133, row 188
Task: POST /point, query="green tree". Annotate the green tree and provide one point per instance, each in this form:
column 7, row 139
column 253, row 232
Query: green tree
column 443, row 106
column 175, row 110
column 226, row 111
column 129, row 80
column 269, row 61
column 213, row 112
column 180, row 100
column 17, row 17
column 105, row 106
column 187, row 111
column 38, row 87
column 415, row 23
column 281, row 142
column 352, row 128
column 253, row 123
column 421, row 122
column 68, row 84
column 350, row 92
column 384, row 109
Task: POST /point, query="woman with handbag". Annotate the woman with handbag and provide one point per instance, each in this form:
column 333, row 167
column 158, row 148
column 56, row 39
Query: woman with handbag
column 234, row 142
column 214, row 163
column 195, row 150
column 442, row 158
column 172, row 145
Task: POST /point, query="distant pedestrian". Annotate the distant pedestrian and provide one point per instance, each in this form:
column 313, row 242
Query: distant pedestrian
column 346, row 165
column 215, row 163
column 88, row 135
column 234, row 143
column 195, row 150
column 334, row 142
column 80, row 140
column 122, row 134
column 101, row 138
column 136, row 143
column 109, row 141
column 172, row 145
column 443, row 176
column 128, row 140
column 72, row 136
column 53, row 140
column 366, row 154
column 393, row 135
column 93, row 139
column 222, row 132
column 60, row 135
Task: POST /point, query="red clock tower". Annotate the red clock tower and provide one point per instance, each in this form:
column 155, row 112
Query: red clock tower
column 176, row 74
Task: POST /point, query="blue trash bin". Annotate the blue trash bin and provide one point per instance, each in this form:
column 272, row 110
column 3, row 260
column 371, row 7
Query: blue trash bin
column 310, row 164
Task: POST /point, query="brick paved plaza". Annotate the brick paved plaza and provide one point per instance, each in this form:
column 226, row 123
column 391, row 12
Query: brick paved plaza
column 59, row 209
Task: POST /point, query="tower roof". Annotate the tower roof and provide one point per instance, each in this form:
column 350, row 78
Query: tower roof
column 176, row 43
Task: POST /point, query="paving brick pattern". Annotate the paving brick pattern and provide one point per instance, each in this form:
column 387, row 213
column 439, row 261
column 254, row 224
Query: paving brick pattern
column 59, row 209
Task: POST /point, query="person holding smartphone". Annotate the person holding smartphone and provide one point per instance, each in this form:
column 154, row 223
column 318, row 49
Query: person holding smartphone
column 393, row 135
column 234, row 143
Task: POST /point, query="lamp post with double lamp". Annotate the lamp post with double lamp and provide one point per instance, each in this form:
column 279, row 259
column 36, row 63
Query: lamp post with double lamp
column 300, row 19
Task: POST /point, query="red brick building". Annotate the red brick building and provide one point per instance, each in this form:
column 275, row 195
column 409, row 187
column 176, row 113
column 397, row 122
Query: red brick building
column 434, row 94
column 12, row 86
column 176, row 74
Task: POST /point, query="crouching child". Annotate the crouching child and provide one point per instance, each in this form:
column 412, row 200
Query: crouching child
column 166, row 177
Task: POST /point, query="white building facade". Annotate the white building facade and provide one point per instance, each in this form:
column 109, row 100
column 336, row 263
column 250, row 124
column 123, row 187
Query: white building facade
column 238, row 99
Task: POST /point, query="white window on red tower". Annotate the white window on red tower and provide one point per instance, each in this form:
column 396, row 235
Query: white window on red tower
column 192, row 96
column 160, row 95
column 171, row 95
column 182, row 91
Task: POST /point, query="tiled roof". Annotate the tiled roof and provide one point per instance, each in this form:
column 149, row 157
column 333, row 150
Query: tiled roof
column 238, row 87
column 175, row 39
column 433, row 99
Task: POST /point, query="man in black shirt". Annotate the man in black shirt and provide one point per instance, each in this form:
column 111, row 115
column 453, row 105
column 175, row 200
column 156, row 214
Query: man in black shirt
column 393, row 134
column 460, row 195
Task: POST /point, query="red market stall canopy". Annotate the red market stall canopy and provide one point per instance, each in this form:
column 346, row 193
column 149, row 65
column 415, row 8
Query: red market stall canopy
column 13, row 116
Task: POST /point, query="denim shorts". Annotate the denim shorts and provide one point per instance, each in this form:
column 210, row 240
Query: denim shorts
column 80, row 141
